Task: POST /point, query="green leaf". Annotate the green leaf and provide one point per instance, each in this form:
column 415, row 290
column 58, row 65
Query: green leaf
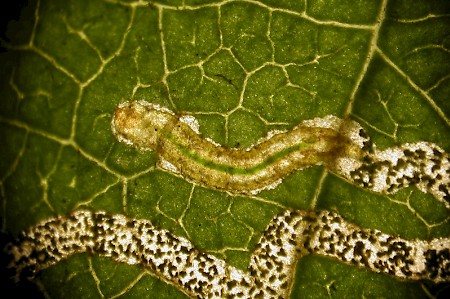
column 242, row 68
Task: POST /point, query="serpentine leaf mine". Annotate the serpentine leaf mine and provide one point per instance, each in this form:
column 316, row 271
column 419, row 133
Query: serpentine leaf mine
column 340, row 145
column 288, row 237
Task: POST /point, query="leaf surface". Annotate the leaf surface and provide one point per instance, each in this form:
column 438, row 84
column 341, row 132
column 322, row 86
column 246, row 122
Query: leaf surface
column 242, row 68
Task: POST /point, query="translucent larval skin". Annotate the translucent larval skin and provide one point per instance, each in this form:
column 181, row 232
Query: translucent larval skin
column 288, row 237
column 340, row 145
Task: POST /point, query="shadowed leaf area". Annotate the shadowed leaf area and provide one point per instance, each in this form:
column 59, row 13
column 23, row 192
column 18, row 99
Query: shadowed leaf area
column 242, row 68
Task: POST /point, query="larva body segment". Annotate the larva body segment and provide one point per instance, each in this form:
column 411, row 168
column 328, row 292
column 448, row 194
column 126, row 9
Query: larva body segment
column 140, row 124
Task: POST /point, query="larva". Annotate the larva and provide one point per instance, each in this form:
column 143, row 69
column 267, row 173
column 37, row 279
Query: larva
column 340, row 145
column 287, row 238
column 182, row 150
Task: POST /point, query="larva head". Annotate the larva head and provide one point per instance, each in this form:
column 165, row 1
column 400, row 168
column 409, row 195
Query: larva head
column 140, row 123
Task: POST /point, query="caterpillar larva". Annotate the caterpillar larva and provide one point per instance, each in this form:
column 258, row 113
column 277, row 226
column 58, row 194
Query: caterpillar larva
column 287, row 238
column 340, row 145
